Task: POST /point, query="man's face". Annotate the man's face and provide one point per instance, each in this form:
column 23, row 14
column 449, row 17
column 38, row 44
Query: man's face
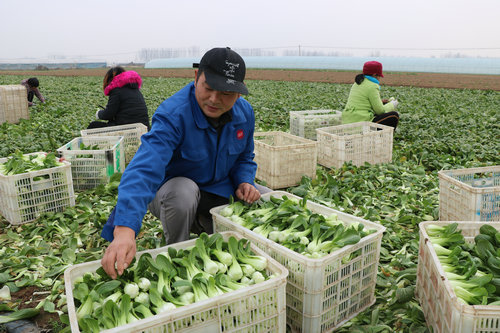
column 213, row 103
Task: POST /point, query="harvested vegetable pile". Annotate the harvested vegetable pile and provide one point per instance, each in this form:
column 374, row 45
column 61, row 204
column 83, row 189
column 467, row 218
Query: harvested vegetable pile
column 439, row 129
column 473, row 269
column 293, row 225
column 173, row 279
column 18, row 163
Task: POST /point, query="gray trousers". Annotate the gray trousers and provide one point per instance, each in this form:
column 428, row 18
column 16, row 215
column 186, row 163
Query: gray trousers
column 182, row 207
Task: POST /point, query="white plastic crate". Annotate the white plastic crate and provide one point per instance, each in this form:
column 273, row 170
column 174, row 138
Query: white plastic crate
column 25, row 196
column 90, row 168
column 357, row 142
column 470, row 194
column 131, row 136
column 321, row 294
column 282, row 159
column 257, row 308
column 304, row 123
column 13, row 103
column 439, row 303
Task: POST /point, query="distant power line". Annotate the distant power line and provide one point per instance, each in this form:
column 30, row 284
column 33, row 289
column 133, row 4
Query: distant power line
column 381, row 48
column 405, row 48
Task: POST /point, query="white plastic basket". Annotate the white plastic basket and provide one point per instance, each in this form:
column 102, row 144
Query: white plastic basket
column 90, row 168
column 13, row 103
column 304, row 123
column 357, row 142
column 25, row 196
column 470, row 194
column 321, row 294
column 257, row 308
column 131, row 136
column 282, row 158
column 439, row 303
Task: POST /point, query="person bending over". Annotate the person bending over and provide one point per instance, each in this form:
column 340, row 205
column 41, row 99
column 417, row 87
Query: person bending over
column 198, row 153
column 31, row 86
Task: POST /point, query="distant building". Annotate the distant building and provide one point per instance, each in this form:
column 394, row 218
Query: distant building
column 47, row 66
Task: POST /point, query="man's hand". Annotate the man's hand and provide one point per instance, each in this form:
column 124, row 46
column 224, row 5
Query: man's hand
column 247, row 192
column 385, row 101
column 121, row 251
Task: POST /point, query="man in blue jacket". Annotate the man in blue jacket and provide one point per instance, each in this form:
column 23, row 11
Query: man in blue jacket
column 198, row 153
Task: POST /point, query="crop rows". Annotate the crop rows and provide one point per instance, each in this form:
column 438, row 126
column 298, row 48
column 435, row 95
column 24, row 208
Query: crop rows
column 439, row 129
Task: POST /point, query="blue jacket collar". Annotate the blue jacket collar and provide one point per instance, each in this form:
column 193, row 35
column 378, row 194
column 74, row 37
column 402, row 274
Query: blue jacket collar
column 200, row 119
column 371, row 78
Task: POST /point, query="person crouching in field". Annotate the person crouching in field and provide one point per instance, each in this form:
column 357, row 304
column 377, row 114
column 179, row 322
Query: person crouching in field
column 31, row 86
column 364, row 102
column 126, row 104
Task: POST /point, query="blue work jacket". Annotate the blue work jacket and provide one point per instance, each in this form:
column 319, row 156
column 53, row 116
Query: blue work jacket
column 181, row 142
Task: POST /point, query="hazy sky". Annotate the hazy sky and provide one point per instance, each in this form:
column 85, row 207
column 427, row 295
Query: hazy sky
column 115, row 30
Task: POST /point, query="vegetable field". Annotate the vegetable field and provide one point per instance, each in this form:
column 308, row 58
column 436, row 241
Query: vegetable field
column 439, row 129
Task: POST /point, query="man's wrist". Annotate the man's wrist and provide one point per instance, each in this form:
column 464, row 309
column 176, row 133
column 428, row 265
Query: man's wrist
column 123, row 231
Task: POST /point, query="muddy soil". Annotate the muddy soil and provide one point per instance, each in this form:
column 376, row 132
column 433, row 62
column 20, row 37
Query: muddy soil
column 408, row 79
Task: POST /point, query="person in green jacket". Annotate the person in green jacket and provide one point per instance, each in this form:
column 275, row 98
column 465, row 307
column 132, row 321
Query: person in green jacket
column 364, row 102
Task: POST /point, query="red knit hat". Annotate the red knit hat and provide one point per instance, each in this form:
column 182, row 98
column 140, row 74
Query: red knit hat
column 373, row 68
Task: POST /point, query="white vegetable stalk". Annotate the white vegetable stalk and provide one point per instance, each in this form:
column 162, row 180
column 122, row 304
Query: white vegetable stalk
column 132, row 289
column 144, row 284
column 5, row 294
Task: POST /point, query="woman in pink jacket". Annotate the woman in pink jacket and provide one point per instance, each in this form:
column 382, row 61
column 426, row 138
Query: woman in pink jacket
column 126, row 104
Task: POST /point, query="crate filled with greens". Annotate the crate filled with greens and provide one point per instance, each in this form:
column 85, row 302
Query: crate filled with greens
column 216, row 283
column 458, row 276
column 31, row 184
column 131, row 136
column 357, row 143
column 94, row 159
column 304, row 123
column 332, row 257
column 283, row 159
column 470, row 194
column 13, row 103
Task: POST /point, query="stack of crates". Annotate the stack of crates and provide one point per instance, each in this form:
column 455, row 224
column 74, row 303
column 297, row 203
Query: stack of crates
column 283, row 159
column 256, row 308
column 94, row 166
column 131, row 136
column 304, row 123
column 13, row 103
column 358, row 143
column 470, row 194
column 23, row 197
column 321, row 294
column 441, row 307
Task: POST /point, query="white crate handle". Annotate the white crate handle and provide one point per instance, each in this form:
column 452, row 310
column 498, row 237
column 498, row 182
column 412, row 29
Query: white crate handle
column 453, row 189
column 44, row 177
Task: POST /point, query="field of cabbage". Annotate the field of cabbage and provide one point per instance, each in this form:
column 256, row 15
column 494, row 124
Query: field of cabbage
column 439, row 129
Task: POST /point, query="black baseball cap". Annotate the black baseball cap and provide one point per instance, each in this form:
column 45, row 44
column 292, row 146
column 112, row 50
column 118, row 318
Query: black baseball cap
column 224, row 70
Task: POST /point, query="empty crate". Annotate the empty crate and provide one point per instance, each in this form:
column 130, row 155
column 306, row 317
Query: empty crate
column 282, row 159
column 13, row 103
column 356, row 143
column 470, row 194
column 304, row 123
column 131, row 136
